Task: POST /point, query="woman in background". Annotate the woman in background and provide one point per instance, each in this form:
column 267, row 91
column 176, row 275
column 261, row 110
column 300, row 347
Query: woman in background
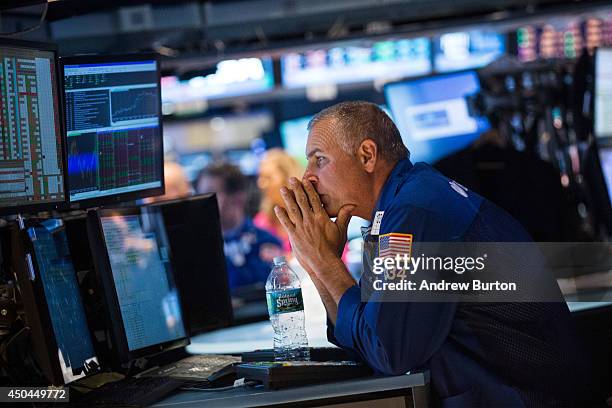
column 275, row 169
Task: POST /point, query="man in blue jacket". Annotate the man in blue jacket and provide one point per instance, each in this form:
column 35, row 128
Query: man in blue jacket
column 249, row 250
column 479, row 354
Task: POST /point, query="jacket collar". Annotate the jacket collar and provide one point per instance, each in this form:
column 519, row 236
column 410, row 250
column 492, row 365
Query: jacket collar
column 392, row 185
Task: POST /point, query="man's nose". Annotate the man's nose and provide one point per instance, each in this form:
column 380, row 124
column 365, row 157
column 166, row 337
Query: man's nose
column 310, row 177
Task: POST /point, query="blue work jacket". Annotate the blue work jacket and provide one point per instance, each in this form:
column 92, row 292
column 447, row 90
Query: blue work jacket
column 479, row 354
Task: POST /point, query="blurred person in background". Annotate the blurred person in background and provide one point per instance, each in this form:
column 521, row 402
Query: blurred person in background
column 249, row 250
column 275, row 169
column 176, row 183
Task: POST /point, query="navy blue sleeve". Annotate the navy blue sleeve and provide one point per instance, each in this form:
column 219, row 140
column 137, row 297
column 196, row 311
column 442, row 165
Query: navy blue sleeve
column 265, row 237
column 396, row 337
column 260, row 267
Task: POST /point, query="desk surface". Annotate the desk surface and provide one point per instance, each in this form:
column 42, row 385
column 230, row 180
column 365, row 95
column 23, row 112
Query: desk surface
column 581, row 306
column 249, row 337
column 343, row 391
column 254, row 336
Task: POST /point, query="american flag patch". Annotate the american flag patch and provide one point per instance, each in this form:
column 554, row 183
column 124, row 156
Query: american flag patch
column 393, row 244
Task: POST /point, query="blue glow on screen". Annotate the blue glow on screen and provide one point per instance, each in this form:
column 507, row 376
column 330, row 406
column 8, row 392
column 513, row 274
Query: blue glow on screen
column 345, row 64
column 467, row 49
column 432, row 114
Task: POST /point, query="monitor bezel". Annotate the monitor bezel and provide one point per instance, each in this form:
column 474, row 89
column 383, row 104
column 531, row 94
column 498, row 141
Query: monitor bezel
column 595, row 59
column 52, row 205
column 35, row 301
column 112, row 199
column 110, row 299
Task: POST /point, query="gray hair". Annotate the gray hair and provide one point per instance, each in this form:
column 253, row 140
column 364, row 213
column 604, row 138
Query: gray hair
column 358, row 121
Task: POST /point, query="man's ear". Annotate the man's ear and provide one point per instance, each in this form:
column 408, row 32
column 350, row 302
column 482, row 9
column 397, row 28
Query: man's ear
column 368, row 154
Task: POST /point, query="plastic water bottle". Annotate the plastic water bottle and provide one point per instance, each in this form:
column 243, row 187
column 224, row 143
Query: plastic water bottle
column 286, row 309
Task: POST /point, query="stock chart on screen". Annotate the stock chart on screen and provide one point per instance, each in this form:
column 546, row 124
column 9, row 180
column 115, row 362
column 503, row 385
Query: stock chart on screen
column 63, row 299
column 114, row 138
column 31, row 170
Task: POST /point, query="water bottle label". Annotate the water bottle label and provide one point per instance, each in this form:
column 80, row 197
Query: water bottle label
column 285, row 301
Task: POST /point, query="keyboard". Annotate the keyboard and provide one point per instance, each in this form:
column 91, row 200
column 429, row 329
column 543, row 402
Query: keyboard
column 199, row 367
column 282, row 374
column 131, row 392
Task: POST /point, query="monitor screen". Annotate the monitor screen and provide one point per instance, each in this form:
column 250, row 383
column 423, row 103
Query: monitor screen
column 113, row 127
column 142, row 279
column 193, row 163
column 560, row 39
column 469, row 49
column 392, row 59
column 31, row 166
column 194, row 232
column 605, row 158
column 246, row 159
column 564, row 37
column 294, row 134
column 217, row 132
column 603, row 93
column 63, row 299
column 598, row 30
column 432, row 114
column 231, row 78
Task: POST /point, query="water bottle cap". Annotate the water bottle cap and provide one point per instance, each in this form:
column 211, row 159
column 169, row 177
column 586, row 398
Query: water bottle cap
column 278, row 260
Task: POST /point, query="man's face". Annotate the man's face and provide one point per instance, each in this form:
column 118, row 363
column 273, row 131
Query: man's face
column 337, row 176
column 177, row 185
column 231, row 206
column 208, row 184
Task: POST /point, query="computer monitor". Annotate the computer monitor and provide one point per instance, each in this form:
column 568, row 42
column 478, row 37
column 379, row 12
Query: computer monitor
column 603, row 93
column 294, row 134
column 432, row 114
column 355, row 63
column 605, row 161
column 193, row 163
column 467, row 49
column 246, row 159
column 31, row 165
column 132, row 258
column 231, row 78
column 196, row 243
column 55, row 313
column 114, row 140
column 564, row 36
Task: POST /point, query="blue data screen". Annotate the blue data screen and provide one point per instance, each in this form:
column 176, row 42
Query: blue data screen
column 432, row 114
column 114, row 138
column 63, row 298
column 143, row 280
